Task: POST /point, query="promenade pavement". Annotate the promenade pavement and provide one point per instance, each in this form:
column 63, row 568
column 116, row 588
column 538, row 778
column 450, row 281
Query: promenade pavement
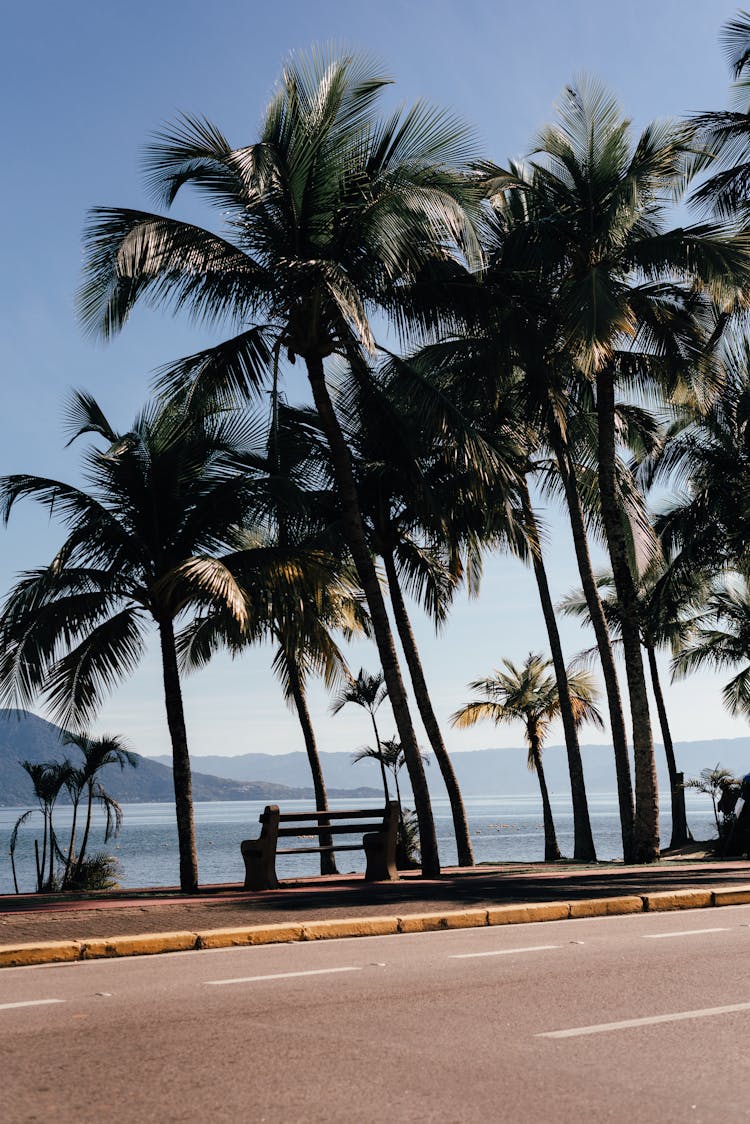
column 34, row 918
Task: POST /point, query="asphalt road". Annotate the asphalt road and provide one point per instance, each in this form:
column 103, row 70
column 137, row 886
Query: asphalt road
column 636, row 1018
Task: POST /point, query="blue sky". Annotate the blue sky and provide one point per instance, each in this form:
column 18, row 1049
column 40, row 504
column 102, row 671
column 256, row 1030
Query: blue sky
column 84, row 85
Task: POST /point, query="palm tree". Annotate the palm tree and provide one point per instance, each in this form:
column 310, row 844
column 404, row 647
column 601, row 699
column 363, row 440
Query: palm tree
column 141, row 546
column 97, row 754
column 367, row 690
column 508, row 369
column 635, row 299
column 329, row 216
column 48, row 779
column 723, row 136
column 298, row 596
column 424, row 510
column 529, row 694
column 665, row 598
column 721, row 639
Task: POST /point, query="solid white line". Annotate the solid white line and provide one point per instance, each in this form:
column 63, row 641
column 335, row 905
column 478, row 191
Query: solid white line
column 29, row 1003
column 682, row 933
column 651, row 1020
column 502, row 951
column 282, row 976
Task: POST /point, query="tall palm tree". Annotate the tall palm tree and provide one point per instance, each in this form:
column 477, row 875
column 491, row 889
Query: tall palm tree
column 329, row 216
column 509, row 367
column 142, row 546
column 367, row 690
column 424, row 506
column 529, row 694
column 635, row 297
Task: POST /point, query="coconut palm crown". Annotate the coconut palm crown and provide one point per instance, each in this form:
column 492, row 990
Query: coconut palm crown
column 529, row 694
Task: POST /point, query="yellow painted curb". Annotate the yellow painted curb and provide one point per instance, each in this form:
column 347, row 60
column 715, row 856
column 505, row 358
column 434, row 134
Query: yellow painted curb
column 249, row 935
column 431, row 922
column 606, row 907
column 678, row 899
column 732, row 895
column 140, row 944
column 43, row 952
column 351, row 927
column 519, row 914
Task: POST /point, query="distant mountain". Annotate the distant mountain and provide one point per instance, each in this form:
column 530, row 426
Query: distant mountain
column 484, row 772
column 26, row 737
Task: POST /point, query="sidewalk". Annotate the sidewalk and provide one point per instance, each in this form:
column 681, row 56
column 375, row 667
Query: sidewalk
column 33, row 919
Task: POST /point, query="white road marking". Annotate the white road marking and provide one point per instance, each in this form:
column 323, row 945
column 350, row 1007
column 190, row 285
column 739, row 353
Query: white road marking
column 502, row 951
column 29, row 1003
column 681, row 933
column 651, row 1020
column 281, row 976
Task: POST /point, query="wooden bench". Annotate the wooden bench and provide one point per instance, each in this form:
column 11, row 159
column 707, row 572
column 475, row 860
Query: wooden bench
column 378, row 841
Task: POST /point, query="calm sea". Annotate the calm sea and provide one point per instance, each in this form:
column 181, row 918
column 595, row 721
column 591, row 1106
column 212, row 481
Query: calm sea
column 503, row 829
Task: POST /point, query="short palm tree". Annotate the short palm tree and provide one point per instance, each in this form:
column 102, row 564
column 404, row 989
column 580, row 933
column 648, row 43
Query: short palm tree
column 98, row 752
column 330, row 215
column 48, row 779
column 162, row 501
column 529, row 694
column 667, row 598
column 298, row 597
column 367, row 690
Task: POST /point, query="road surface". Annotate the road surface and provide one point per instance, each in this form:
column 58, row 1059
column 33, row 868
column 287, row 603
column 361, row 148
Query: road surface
column 636, row 1018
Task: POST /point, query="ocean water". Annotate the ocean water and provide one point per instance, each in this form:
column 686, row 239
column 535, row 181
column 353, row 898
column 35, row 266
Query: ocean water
column 503, row 829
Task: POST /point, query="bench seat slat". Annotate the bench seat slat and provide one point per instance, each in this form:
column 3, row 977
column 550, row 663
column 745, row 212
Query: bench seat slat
column 334, row 829
column 352, row 814
column 314, row 850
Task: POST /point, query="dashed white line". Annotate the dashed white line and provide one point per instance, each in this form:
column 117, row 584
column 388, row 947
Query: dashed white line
column 651, row 1020
column 282, row 976
column 502, row 951
column 29, row 1003
column 681, row 933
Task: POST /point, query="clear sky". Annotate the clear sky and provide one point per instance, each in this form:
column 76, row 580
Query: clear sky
column 86, row 82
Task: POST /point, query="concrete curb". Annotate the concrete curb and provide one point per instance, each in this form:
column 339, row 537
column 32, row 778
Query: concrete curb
column 145, row 944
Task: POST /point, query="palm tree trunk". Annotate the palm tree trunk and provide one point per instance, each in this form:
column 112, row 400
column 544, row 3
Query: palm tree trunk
column 86, row 830
column 51, row 852
column 183, row 787
column 381, row 762
column 71, row 845
column 583, row 839
column 357, row 543
column 603, row 642
column 427, row 714
column 680, row 834
column 551, row 849
column 646, row 825
column 325, row 839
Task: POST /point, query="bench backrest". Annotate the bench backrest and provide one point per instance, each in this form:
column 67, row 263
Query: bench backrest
column 308, row 822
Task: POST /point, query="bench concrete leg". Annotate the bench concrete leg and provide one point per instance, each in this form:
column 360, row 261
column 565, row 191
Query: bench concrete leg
column 380, row 849
column 260, row 866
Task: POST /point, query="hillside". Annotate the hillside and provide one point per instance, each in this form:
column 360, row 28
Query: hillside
column 485, row 771
column 25, row 736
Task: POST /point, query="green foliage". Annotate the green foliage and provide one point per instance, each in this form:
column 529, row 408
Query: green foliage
column 99, row 871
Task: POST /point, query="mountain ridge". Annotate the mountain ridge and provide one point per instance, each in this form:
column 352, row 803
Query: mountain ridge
column 26, row 736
